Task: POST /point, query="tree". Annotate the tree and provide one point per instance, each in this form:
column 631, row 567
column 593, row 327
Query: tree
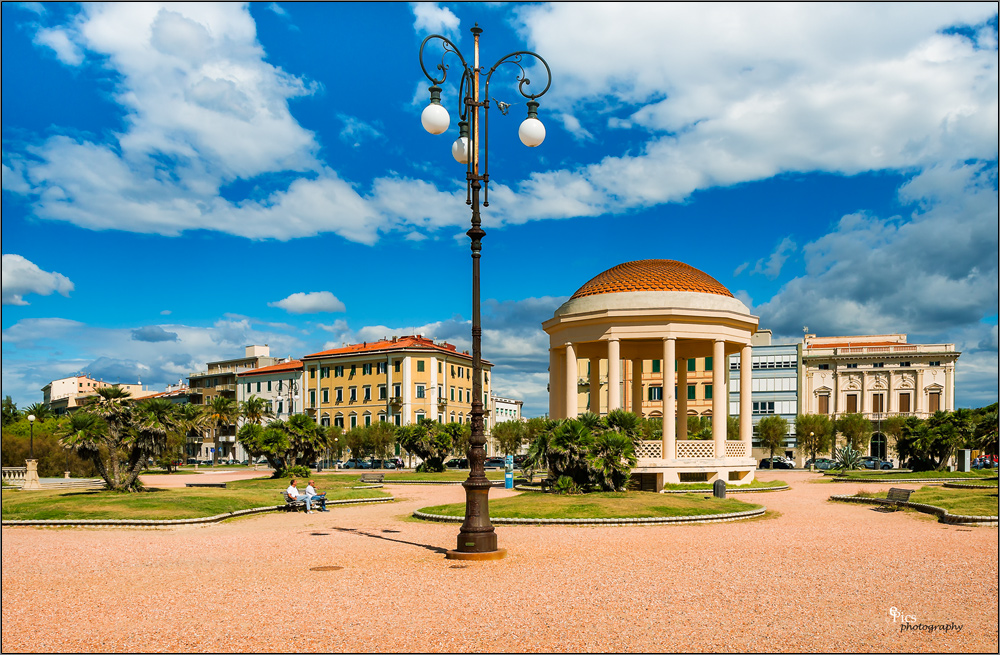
column 222, row 411
column 509, row 436
column 10, row 413
column 625, row 423
column 40, row 411
column 459, row 434
column 568, row 451
column 381, row 438
column 157, row 426
column 192, row 419
column 985, row 433
column 80, row 425
column 429, row 441
column 733, row 428
column 892, row 428
column 287, row 444
column 699, row 428
column 612, row 458
column 772, row 431
column 812, row 432
column 356, row 440
column 857, row 430
column 131, row 435
column 256, row 410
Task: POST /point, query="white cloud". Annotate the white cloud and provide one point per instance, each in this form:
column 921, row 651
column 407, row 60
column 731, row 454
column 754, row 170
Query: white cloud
column 61, row 44
column 430, row 17
column 21, row 277
column 771, row 268
column 310, row 303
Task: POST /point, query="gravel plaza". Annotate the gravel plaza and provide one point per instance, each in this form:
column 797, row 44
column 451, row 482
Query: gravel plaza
column 812, row 576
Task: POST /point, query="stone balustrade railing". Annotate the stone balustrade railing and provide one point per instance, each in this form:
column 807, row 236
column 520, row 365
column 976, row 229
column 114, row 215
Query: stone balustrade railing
column 690, row 449
column 14, row 474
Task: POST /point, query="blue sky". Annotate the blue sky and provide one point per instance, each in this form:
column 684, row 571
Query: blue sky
column 183, row 180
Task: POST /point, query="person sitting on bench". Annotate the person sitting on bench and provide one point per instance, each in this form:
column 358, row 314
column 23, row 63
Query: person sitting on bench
column 294, row 494
column 315, row 497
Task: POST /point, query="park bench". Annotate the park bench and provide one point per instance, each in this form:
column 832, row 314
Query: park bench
column 220, row 485
column 370, row 478
column 292, row 505
column 897, row 496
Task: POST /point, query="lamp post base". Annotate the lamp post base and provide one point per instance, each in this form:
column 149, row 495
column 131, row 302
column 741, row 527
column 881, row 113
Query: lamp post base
column 31, row 482
column 499, row 553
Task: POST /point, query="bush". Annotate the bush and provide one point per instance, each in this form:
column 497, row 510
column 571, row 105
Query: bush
column 294, row 472
column 431, row 466
column 565, row 485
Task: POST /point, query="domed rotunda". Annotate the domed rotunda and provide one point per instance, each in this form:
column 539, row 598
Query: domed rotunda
column 657, row 313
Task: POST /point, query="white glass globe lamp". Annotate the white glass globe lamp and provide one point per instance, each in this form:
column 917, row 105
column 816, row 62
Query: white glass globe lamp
column 460, row 149
column 435, row 118
column 532, row 132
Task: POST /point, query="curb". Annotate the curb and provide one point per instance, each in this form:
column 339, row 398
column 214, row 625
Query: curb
column 496, row 483
column 943, row 515
column 956, row 485
column 729, row 490
column 903, row 481
column 172, row 522
column 647, row 520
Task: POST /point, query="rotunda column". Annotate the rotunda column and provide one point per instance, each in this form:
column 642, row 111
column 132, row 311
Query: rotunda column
column 682, row 398
column 746, row 397
column 614, row 376
column 719, row 409
column 669, row 404
column 572, row 388
column 636, row 407
column 595, row 386
column 555, row 383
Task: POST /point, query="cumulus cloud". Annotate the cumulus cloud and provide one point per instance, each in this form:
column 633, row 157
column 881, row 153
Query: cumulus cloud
column 771, row 267
column 153, row 334
column 61, row 44
column 430, row 17
column 21, row 277
column 314, row 302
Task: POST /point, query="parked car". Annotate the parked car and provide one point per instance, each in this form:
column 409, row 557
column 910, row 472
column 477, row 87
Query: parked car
column 875, row 463
column 774, row 463
column 357, row 464
column 457, row 463
column 494, row 463
column 192, row 460
column 822, row 463
column 519, row 459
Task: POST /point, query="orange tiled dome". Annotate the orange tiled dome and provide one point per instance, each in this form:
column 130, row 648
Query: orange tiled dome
column 652, row 275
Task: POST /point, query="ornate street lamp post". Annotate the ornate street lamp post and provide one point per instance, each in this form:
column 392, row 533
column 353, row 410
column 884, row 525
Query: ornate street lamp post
column 477, row 538
column 31, row 482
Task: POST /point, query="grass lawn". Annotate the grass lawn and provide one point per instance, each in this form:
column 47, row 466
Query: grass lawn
column 912, row 475
column 166, row 472
column 444, row 476
column 605, row 505
column 707, row 486
column 970, row 502
column 164, row 503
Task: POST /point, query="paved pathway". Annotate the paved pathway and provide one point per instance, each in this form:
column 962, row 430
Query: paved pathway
column 817, row 577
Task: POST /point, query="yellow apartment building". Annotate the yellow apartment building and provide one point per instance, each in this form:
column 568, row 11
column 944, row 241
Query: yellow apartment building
column 642, row 394
column 400, row 380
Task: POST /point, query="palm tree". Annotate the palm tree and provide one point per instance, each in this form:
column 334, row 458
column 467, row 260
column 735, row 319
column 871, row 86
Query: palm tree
column 80, row 432
column 613, row 458
column 41, row 411
column 256, row 410
column 625, row 423
column 192, row 418
column 118, row 416
column 221, row 411
column 154, row 423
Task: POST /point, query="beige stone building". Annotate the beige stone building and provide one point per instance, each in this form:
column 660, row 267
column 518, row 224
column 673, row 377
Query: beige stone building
column 66, row 394
column 647, row 311
column 399, row 380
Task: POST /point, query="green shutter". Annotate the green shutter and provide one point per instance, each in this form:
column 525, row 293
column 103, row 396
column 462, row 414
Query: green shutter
column 691, row 390
column 708, row 363
column 656, row 366
column 691, row 364
column 708, row 392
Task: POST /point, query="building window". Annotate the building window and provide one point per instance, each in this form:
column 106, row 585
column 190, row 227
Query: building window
column 878, row 364
column 656, row 393
column 280, row 407
column 852, row 403
column 420, row 416
column 268, row 385
column 824, row 367
column 339, row 371
column 312, row 398
column 656, row 366
column 325, row 421
column 852, row 366
column 326, row 396
column 397, row 366
column 878, row 403
column 468, row 396
column 354, row 394
column 824, row 404
column 397, row 390
column 763, row 408
column 708, row 363
column 934, row 402
column 441, row 367
column 354, row 369
column 420, row 391
column 368, row 394
column 937, row 363
column 453, row 393
column 708, row 392
column 382, row 392
column 368, row 419
column 420, row 366
column 691, row 388
column 904, row 403
column 904, row 364
column 397, row 419
column 354, row 421
column 248, row 386
column 339, row 421
column 325, row 372
column 691, row 364
column 312, row 374
column 366, row 369
column 340, row 395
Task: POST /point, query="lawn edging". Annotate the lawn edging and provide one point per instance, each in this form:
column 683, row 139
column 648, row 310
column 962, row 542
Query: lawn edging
column 729, row 490
column 645, row 520
column 957, row 485
column 943, row 515
column 902, row 480
column 174, row 522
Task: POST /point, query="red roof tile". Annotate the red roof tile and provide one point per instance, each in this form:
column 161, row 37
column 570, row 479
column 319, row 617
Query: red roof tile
column 389, row 345
column 294, row 365
column 652, row 275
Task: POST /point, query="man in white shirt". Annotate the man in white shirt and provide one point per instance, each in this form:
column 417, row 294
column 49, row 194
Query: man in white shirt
column 294, row 494
column 320, row 498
